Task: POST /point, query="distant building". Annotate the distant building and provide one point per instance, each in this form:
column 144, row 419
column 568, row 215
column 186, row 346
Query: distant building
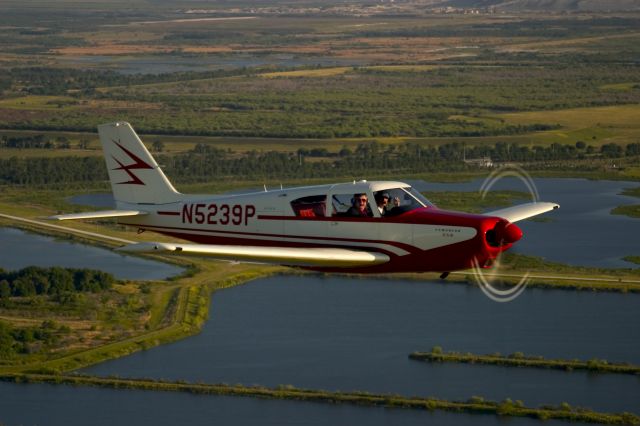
column 480, row 162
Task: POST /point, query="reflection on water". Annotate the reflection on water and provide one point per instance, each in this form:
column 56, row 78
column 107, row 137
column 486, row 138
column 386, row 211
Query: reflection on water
column 19, row 249
column 356, row 334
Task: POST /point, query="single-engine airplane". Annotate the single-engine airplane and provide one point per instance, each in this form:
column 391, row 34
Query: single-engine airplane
column 362, row 227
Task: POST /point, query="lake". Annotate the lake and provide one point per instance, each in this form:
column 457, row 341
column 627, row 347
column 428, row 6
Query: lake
column 19, row 249
column 41, row 404
column 355, row 334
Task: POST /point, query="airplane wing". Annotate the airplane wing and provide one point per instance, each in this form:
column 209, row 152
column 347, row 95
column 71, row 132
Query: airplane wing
column 294, row 256
column 97, row 215
column 523, row 211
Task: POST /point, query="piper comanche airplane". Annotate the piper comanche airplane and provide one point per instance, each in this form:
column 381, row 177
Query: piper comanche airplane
column 337, row 227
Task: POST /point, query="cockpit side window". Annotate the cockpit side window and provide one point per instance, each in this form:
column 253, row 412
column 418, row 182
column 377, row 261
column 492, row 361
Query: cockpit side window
column 311, row 206
column 351, row 205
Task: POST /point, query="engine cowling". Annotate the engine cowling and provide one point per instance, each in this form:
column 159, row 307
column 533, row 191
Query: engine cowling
column 503, row 233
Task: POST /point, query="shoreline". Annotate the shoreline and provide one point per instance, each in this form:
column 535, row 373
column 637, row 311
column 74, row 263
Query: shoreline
column 474, row 405
column 521, row 360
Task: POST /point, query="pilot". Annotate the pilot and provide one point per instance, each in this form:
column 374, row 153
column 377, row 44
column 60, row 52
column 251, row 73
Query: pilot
column 382, row 201
column 360, row 207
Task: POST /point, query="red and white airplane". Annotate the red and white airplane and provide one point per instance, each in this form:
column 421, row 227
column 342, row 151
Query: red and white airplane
column 337, row 227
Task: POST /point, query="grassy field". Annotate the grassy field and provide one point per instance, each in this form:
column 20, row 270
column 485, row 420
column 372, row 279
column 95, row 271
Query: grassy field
column 321, row 72
column 595, row 126
column 435, row 79
column 38, row 102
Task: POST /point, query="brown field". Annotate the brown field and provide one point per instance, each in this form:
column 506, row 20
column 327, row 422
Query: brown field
column 580, row 41
column 110, row 49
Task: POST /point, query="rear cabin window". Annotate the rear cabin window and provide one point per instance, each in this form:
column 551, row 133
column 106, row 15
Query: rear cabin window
column 312, row 206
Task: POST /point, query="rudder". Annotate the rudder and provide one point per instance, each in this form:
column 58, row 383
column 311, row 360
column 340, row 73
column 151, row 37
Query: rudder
column 135, row 176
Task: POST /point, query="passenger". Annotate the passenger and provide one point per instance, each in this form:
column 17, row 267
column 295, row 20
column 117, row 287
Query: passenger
column 382, row 201
column 396, row 209
column 360, row 207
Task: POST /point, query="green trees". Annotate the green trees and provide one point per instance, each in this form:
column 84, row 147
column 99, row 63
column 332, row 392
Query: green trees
column 15, row 340
column 33, row 281
column 5, row 289
column 158, row 145
column 206, row 162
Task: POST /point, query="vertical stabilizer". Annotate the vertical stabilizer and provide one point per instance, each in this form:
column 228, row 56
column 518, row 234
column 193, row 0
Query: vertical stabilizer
column 134, row 174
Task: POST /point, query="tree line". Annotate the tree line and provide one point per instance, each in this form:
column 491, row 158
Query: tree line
column 204, row 162
column 36, row 281
column 39, row 142
column 60, row 81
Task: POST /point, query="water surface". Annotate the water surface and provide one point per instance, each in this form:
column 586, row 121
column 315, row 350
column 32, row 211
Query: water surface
column 355, row 334
column 41, row 404
column 582, row 232
column 19, row 249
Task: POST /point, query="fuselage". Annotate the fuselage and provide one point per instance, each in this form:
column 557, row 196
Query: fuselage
column 417, row 236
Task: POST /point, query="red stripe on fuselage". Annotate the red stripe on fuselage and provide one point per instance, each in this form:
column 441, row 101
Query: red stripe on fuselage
column 169, row 213
column 419, row 216
column 172, row 230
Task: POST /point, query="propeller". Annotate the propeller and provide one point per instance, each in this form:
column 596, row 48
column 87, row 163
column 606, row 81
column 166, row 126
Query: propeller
column 502, row 234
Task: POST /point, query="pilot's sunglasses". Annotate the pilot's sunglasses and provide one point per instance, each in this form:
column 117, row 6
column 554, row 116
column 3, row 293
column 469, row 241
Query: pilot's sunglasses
column 362, row 200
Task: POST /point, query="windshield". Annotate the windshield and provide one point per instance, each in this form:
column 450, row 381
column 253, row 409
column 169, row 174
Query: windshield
column 418, row 196
column 395, row 201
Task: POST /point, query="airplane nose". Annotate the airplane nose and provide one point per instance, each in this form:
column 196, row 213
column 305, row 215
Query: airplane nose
column 504, row 232
column 508, row 232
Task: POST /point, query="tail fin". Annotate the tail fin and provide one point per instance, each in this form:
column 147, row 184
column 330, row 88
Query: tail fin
column 135, row 176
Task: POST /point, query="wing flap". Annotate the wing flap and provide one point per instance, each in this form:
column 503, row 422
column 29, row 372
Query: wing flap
column 97, row 215
column 292, row 256
column 523, row 211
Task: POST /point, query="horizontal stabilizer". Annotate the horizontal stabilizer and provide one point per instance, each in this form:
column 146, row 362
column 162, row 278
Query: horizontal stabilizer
column 523, row 211
column 294, row 256
column 97, row 215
